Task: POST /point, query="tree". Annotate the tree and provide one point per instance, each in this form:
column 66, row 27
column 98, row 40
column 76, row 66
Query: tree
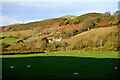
column 101, row 44
column 76, row 21
column 43, row 45
column 89, row 23
column 66, row 22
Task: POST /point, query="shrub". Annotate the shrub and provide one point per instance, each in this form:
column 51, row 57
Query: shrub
column 88, row 49
column 95, row 49
column 106, row 14
column 66, row 22
column 76, row 21
column 15, row 48
column 4, row 45
column 43, row 45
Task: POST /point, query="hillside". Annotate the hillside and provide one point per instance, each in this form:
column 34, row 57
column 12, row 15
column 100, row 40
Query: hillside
column 31, row 25
column 49, row 22
column 87, row 16
column 106, row 37
column 84, row 32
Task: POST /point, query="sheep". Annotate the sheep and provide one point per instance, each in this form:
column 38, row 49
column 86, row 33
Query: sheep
column 76, row 73
column 28, row 66
column 115, row 67
column 11, row 67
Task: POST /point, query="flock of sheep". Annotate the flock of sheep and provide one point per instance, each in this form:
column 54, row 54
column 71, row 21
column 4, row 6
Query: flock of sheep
column 76, row 73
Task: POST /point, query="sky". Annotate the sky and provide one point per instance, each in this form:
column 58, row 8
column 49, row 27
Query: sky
column 17, row 12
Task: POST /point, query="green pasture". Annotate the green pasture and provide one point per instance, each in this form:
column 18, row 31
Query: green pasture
column 10, row 40
column 89, row 54
column 56, row 65
column 6, row 34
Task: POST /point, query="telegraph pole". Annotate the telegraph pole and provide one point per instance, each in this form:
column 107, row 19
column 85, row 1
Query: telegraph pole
column 101, row 42
column 23, row 21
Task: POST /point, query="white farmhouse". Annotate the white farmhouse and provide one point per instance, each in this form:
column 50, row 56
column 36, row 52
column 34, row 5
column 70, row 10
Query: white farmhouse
column 58, row 39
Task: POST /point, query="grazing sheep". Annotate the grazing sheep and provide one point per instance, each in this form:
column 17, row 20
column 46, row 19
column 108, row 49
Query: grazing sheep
column 28, row 66
column 11, row 67
column 76, row 73
column 115, row 67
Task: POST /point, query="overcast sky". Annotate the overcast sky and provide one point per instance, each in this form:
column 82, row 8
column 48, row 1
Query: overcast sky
column 16, row 12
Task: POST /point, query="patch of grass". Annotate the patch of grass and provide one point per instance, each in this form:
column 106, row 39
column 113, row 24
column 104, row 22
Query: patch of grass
column 89, row 54
column 10, row 40
column 61, row 65
column 6, row 34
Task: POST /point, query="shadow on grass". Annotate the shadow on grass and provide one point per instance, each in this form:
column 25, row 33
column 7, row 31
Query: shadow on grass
column 60, row 67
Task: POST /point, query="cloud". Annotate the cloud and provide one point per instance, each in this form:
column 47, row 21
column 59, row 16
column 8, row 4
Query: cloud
column 59, row 0
column 5, row 20
column 31, row 4
column 33, row 11
column 34, row 20
column 46, row 5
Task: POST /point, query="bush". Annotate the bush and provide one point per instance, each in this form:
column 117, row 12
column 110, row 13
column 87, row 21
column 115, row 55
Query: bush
column 66, row 22
column 95, row 49
column 15, row 48
column 4, row 46
column 18, row 48
column 106, row 14
column 43, row 45
column 88, row 49
column 76, row 21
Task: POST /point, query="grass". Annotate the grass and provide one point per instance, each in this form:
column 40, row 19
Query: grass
column 9, row 40
column 6, row 34
column 61, row 65
column 89, row 54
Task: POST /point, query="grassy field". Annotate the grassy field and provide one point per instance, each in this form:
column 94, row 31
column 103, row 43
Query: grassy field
column 89, row 54
column 6, row 34
column 9, row 40
column 54, row 65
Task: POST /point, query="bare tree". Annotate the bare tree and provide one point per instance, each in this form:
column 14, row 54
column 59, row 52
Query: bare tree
column 101, row 44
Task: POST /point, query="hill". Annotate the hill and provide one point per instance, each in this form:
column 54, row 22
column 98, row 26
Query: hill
column 89, row 27
column 105, row 37
column 31, row 25
column 47, row 22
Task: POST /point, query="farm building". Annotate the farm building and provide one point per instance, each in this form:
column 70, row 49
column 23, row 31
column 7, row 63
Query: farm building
column 50, row 39
column 58, row 39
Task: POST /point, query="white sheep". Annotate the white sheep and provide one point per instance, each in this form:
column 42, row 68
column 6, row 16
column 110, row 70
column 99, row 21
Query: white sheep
column 28, row 66
column 76, row 73
column 11, row 67
column 115, row 67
